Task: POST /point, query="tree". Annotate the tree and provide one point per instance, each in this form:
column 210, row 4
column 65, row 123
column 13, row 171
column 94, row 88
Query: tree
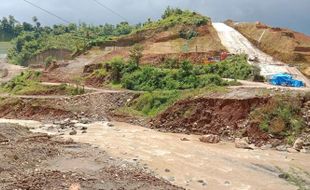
column 171, row 11
column 136, row 54
column 36, row 22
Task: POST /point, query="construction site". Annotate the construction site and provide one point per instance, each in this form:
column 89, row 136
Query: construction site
column 168, row 105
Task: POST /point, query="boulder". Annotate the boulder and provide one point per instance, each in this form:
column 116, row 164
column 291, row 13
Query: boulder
column 291, row 150
column 210, row 139
column 110, row 124
column 298, row 144
column 281, row 148
column 242, row 143
column 73, row 132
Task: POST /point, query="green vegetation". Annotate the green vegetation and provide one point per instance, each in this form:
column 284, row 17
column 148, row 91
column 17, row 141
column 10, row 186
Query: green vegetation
column 32, row 39
column 4, row 46
column 152, row 103
column 281, row 116
column 49, row 60
column 296, row 177
column 176, row 16
column 173, row 75
column 27, row 83
column 235, row 67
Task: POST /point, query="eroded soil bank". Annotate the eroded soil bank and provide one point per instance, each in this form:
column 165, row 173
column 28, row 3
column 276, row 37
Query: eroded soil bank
column 207, row 115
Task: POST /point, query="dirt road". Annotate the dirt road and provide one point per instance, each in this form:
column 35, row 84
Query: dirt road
column 236, row 43
column 191, row 164
column 11, row 70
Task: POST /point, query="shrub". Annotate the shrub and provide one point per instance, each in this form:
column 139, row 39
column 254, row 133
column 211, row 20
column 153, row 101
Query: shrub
column 151, row 103
column 281, row 116
column 48, row 61
column 235, row 67
column 115, row 67
column 136, row 54
column 187, row 34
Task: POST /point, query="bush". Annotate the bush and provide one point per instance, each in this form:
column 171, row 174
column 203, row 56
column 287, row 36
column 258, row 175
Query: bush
column 151, row 78
column 188, row 34
column 235, row 67
column 49, row 60
column 281, row 116
column 151, row 103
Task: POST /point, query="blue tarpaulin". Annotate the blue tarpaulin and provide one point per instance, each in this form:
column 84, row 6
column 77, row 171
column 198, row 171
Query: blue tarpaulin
column 284, row 79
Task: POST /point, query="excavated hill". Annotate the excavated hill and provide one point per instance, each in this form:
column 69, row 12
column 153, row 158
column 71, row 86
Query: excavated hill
column 162, row 43
column 283, row 44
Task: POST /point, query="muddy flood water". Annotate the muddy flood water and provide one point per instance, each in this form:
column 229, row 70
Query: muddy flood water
column 191, row 164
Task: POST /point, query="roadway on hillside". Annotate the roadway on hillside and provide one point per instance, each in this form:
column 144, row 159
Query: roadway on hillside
column 236, row 43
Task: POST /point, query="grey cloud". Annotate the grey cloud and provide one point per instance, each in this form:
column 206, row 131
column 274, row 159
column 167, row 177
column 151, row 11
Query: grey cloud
column 283, row 13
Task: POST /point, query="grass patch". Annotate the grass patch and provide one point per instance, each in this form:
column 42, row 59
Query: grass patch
column 296, row 178
column 150, row 104
column 27, row 83
column 175, row 16
column 281, row 116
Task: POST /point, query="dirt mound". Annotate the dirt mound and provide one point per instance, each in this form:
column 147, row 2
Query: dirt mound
column 222, row 117
column 22, row 109
column 283, row 44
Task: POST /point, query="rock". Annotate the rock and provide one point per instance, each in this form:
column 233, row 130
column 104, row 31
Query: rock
column 167, row 170
column 266, row 147
column 83, row 132
column 74, row 121
column 84, row 128
column 85, row 120
column 242, row 143
column 73, row 132
column 305, row 150
column 210, row 139
column 110, row 124
column 298, row 144
column 291, row 150
column 281, row 148
column 184, row 139
column 276, row 142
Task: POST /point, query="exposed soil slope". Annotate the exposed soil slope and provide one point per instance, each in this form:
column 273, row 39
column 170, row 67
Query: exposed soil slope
column 160, row 44
column 283, row 44
column 224, row 117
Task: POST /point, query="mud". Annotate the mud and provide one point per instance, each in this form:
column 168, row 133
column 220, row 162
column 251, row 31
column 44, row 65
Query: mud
column 37, row 161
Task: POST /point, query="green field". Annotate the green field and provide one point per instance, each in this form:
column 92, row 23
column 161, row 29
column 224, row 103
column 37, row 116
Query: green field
column 4, row 46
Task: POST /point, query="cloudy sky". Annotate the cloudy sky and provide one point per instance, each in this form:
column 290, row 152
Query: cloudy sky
column 284, row 13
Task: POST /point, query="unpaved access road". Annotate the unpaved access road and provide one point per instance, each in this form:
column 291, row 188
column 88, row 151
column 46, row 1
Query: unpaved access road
column 192, row 164
column 236, row 43
column 11, row 70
